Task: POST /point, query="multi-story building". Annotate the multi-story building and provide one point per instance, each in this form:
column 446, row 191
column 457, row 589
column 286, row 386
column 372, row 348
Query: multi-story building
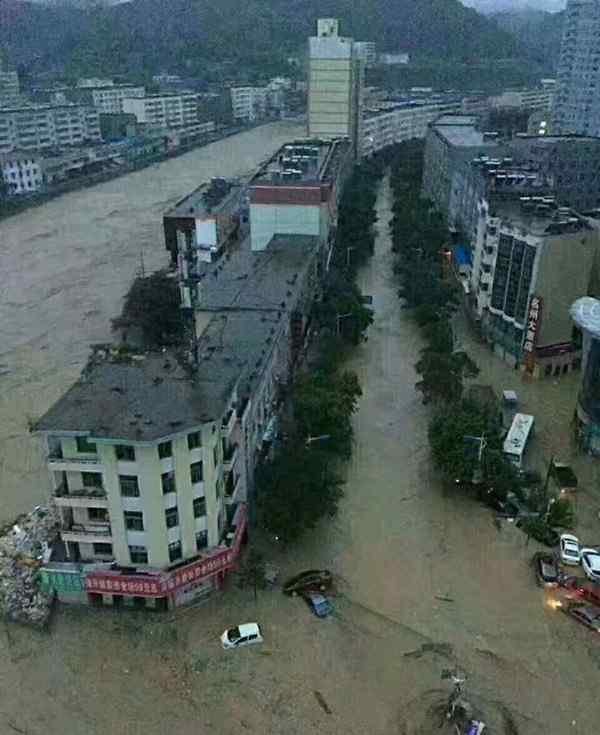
column 451, row 141
column 530, row 99
column 571, row 162
column 92, row 82
column 199, row 226
column 577, row 103
column 22, row 172
column 367, row 51
column 394, row 59
column 164, row 110
column 532, row 259
column 393, row 122
column 109, row 100
column 47, row 126
column 152, row 455
column 585, row 313
column 335, row 85
column 297, row 190
column 9, row 88
column 249, row 103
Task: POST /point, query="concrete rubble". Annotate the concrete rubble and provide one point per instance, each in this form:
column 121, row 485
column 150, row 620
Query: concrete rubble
column 24, row 545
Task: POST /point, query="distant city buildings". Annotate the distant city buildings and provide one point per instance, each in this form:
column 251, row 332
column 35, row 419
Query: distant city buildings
column 577, row 104
column 249, row 103
column 22, row 173
column 367, row 51
column 393, row 59
column 164, row 110
column 336, row 73
column 109, row 99
column 38, row 127
column 9, row 88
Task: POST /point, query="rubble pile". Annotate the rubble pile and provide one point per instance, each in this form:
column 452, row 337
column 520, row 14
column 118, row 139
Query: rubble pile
column 23, row 546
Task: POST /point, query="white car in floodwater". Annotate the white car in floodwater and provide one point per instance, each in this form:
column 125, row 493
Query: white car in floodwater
column 569, row 549
column 242, row 635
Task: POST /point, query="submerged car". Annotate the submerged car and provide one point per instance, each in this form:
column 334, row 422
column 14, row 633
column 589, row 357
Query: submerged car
column 242, row 635
column 590, row 561
column 569, row 549
column 547, row 572
column 586, row 615
column 317, row 580
column 319, row 604
column 588, row 591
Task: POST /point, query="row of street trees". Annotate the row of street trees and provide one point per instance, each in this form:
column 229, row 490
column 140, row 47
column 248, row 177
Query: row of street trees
column 302, row 484
column 459, row 428
column 465, row 435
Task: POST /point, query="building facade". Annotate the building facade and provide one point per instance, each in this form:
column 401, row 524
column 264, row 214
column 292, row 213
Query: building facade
column 297, row 191
column 9, row 88
column 249, row 103
column 532, row 259
column 164, row 110
column 335, row 85
column 367, row 51
column 110, row 99
column 47, row 126
column 540, row 98
column 395, row 122
column 577, row 104
column 22, row 173
column 585, row 313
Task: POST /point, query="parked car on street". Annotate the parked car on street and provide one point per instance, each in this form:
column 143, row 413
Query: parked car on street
column 319, row 604
column 569, row 549
column 242, row 635
column 546, row 569
column 586, row 615
column 317, row 580
column 590, row 561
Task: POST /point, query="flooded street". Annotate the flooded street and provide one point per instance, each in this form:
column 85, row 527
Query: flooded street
column 64, row 269
column 426, row 582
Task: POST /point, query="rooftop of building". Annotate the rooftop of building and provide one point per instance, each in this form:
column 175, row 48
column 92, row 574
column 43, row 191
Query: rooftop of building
column 128, row 395
column 506, row 175
column 265, row 280
column 537, row 215
column 301, row 162
column 162, row 95
column 219, row 195
column 31, row 107
column 585, row 312
column 461, row 131
column 549, row 140
column 387, row 106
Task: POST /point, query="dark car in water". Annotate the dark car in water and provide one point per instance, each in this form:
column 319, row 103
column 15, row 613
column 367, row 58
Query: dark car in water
column 547, row 572
column 317, row 580
column 586, row 615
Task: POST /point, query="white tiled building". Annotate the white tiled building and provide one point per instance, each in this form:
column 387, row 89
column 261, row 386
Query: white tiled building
column 9, row 88
column 110, row 99
column 164, row 110
column 46, row 126
column 249, row 103
column 22, row 172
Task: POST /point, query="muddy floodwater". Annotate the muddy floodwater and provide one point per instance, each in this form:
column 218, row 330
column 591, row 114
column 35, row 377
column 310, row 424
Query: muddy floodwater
column 64, row 269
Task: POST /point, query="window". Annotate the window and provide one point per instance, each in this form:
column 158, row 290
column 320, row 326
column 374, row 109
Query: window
column 97, row 514
column 199, row 507
column 129, row 486
column 138, row 554
column 125, row 452
column 216, row 454
column 165, row 450
column 175, row 551
column 168, row 482
column 84, row 446
column 194, row 440
column 103, row 549
column 172, row 517
column 196, row 472
column 134, row 520
column 201, row 540
column 91, row 479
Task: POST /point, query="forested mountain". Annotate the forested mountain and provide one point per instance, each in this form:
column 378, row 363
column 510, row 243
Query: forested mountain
column 539, row 31
column 193, row 35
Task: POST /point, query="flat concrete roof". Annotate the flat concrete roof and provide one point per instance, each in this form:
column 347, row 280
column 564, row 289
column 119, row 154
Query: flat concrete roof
column 313, row 161
column 196, row 205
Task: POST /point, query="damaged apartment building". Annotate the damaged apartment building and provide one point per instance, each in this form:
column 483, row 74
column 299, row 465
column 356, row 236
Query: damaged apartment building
column 152, row 455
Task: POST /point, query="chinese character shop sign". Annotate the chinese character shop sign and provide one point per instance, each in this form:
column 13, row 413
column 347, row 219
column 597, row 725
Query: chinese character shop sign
column 531, row 332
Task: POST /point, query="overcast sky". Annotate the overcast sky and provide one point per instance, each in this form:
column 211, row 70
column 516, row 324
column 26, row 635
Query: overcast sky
column 489, row 6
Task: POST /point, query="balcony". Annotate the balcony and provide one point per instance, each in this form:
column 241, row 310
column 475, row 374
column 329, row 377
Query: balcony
column 229, row 458
column 90, row 533
column 228, row 423
column 87, row 497
column 73, row 464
